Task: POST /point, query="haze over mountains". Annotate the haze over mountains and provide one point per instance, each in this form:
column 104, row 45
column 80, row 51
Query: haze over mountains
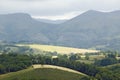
column 90, row 29
column 52, row 21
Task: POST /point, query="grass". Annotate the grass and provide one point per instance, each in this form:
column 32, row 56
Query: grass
column 58, row 49
column 96, row 57
column 113, row 65
column 86, row 61
column 41, row 74
column 91, row 59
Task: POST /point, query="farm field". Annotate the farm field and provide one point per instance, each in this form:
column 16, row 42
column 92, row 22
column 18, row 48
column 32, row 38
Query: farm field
column 58, row 49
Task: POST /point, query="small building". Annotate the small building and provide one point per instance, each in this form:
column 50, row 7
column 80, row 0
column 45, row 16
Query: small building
column 54, row 57
column 82, row 56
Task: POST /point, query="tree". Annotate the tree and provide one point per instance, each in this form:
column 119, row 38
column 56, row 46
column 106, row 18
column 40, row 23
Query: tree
column 106, row 61
column 87, row 57
column 2, row 69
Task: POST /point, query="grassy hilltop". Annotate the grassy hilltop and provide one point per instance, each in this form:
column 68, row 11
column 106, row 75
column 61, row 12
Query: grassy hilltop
column 41, row 74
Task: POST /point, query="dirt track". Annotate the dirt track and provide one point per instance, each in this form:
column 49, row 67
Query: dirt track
column 57, row 67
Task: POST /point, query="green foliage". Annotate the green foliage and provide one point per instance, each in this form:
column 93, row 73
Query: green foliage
column 109, row 60
column 13, row 62
column 107, row 74
column 106, row 61
column 74, row 57
column 11, row 48
column 87, row 57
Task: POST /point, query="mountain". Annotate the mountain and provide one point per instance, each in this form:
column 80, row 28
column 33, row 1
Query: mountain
column 21, row 27
column 51, row 21
column 92, row 29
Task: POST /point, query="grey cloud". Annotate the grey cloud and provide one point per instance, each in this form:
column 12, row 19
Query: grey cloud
column 56, row 7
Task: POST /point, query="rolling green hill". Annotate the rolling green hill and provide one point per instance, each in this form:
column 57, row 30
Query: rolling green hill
column 41, row 74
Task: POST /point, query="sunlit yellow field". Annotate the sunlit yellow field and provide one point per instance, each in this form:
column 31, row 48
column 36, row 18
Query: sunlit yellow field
column 58, row 49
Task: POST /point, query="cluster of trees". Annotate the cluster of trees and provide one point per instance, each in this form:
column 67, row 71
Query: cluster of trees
column 108, row 60
column 10, row 48
column 105, row 74
column 14, row 62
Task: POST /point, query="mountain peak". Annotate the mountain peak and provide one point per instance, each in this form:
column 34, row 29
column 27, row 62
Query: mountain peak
column 87, row 13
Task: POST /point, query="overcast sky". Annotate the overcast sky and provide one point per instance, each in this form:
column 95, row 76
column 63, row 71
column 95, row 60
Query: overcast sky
column 56, row 9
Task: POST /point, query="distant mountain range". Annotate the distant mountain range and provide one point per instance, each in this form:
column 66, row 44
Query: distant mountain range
column 92, row 29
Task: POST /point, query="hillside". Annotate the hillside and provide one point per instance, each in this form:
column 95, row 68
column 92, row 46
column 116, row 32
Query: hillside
column 111, row 66
column 113, row 69
column 91, row 29
column 58, row 49
column 41, row 74
column 21, row 27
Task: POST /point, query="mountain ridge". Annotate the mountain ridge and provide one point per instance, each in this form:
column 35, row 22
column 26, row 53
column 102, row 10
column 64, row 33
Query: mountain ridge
column 87, row 30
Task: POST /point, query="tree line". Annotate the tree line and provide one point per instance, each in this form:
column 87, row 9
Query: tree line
column 14, row 62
